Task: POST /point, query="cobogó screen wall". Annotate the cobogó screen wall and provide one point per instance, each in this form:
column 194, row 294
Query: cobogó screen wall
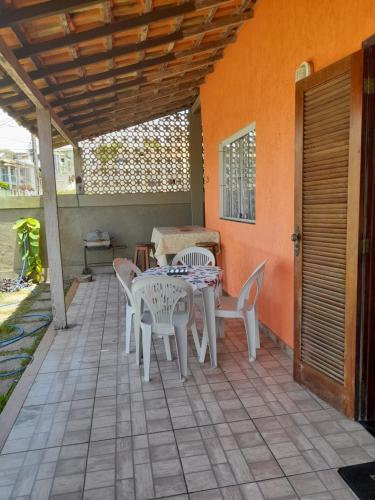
column 152, row 157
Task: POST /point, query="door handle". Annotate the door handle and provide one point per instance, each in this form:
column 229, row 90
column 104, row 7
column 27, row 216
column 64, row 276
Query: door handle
column 296, row 238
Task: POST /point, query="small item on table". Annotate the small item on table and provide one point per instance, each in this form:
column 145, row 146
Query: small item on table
column 177, row 271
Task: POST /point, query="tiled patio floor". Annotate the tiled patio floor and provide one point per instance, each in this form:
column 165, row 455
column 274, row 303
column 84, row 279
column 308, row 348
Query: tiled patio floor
column 90, row 428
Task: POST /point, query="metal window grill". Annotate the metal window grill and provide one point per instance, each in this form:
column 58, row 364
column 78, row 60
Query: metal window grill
column 238, row 169
column 152, row 157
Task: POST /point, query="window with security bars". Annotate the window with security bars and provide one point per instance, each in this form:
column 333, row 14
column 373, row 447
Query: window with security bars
column 238, row 180
column 152, row 157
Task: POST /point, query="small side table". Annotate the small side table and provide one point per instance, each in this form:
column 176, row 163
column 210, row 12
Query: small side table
column 211, row 246
column 143, row 250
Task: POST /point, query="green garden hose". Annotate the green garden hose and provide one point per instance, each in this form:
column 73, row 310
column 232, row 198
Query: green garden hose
column 19, row 335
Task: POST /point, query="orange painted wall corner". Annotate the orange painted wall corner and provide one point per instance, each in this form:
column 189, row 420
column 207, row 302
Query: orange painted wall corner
column 255, row 81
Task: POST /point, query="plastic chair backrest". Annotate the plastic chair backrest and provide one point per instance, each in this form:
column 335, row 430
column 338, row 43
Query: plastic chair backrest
column 194, row 256
column 256, row 279
column 126, row 271
column 160, row 295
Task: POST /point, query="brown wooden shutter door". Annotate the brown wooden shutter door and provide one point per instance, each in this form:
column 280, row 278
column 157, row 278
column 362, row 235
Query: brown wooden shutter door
column 327, row 202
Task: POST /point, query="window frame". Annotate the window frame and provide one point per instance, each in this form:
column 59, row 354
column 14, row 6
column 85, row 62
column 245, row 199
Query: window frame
column 238, row 135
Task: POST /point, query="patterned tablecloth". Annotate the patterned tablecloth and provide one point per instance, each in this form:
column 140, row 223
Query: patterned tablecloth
column 198, row 276
column 171, row 240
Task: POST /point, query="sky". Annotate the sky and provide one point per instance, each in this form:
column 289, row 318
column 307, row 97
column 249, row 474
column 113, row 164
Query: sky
column 12, row 136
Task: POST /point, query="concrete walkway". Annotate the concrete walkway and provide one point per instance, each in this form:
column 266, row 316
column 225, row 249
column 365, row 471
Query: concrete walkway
column 90, row 428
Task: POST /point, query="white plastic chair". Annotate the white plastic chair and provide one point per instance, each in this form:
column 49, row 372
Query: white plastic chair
column 194, row 256
column 161, row 296
column 241, row 307
column 126, row 271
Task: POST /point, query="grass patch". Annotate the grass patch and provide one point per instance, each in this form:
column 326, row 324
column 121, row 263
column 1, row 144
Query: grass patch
column 7, row 331
column 4, row 397
column 24, row 303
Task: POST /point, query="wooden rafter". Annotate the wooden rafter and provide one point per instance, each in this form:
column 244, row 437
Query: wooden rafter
column 94, row 130
column 168, row 86
column 10, row 16
column 156, row 61
column 88, row 134
column 136, row 104
column 133, row 48
column 205, row 63
column 160, row 14
column 13, row 68
column 131, row 68
column 135, row 97
column 99, row 60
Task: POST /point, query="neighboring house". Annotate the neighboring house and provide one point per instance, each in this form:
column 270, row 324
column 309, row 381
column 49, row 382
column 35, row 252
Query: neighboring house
column 18, row 171
column 64, row 169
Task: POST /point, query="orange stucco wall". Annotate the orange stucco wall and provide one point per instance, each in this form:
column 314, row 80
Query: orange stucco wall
column 255, row 82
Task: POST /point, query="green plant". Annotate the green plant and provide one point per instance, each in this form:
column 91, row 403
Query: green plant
column 6, row 331
column 107, row 154
column 4, row 185
column 151, row 143
column 28, row 230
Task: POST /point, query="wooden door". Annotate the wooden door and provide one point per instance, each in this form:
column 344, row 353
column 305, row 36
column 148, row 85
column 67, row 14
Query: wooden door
column 366, row 383
column 327, row 206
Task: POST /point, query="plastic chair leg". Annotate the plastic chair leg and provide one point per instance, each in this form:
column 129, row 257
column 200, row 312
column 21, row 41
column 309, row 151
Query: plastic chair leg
column 167, row 346
column 204, row 346
column 220, row 327
column 146, row 341
column 197, row 344
column 257, row 329
column 181, row 342
column 138, row 340
column 128, row 328
column 249, row 320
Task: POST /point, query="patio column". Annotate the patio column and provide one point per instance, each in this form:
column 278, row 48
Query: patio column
column 51, row 217
column 196, row 166
column 77, row 153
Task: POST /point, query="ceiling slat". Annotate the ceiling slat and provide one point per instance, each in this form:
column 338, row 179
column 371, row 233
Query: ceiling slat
column 138, row 81
column 10, row 16
column 162, row 13
column 156, row 61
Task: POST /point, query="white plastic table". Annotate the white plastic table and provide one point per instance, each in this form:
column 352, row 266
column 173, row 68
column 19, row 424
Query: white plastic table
column 171, row 240
column 205, row 279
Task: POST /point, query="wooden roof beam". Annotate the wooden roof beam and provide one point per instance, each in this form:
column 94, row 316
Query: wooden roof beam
column 126, row 117
column 166, row 90
column 159, row 14
column 120, row 86
column 138, row 81
column 136, row 120
column 10, row 16
column 13, row 68
column 194, row 79
column 131, row 68
column 131, row 112
column 129, row 106
column 133, row 48
column 94, row 131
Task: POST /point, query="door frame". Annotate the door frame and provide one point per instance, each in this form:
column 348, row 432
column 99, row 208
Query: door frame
column 342, row 397
column 366, row 289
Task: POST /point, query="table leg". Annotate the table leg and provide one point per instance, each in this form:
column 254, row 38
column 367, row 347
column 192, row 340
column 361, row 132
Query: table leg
column 162, row 260
column 209, row 306
column 86, row 269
